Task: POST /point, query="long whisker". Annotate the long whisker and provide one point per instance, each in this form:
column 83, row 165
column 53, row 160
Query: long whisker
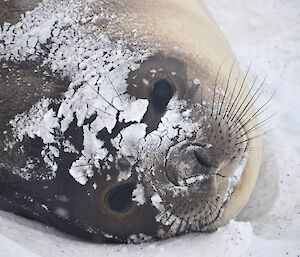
column 251, row 138
column 88, row 104
column 232, row 94
column 215, row 87
column 240, row 90
column 227, row 85
column 257, row 126
column 238, row 107
column 114, row 88
column 260, row 111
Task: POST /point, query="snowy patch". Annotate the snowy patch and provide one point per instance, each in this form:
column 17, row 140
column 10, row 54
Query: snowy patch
column 157, row 202
column 81, row 170
column 140, row 238
column 138, row 195
column 129, row 138
column 97, row 70
column 197, row 81
column 135, row 111
column 39, row 121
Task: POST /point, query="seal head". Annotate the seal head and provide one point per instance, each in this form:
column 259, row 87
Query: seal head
column 123, row 129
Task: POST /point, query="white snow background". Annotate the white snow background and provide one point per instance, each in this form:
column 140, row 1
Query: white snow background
column 267, row 34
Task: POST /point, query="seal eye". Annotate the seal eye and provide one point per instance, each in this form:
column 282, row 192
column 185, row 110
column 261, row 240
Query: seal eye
column 161, row 92
column 119, row 199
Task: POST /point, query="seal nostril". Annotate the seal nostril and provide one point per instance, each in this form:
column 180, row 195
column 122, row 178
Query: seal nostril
column 202, row 159
column 161, row 92
column 119, row 199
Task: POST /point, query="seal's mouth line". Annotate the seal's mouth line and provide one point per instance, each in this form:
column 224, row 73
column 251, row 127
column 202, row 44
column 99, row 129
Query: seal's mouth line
column 233, row 182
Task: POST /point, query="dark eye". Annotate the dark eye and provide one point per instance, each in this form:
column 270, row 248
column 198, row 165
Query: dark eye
column 119, row 199
column 161, row 92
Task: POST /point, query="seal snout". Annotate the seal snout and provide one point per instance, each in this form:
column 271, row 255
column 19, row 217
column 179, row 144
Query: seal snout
column 187, row 163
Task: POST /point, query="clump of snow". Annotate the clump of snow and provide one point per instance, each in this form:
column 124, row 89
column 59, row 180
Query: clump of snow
column 128, row 139
column 197, row 81
column 124, row 175
column 138, row 194
column 194, row 179
column 135, row 111
column 68, row 147
column 49, row 154
column 81, row 170
column 92, row 152
column 157, row 202
column 39, row 121
column 139, row 238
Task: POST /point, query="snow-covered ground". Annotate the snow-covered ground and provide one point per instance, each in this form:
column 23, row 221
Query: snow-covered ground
column 266, row 33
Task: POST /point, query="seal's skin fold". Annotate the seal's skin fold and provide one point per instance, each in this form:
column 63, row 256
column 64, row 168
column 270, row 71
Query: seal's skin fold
column 123, row 121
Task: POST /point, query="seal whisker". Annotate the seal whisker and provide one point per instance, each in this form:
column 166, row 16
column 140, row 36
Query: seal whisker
column 226, row 90
column 251, row 149
column 258, row 112
column 239, row 120
column 251, row 102
column 98, row 109
column 214, row 217
column 187, row 229
column 217, row 220
column 161, row 215
column 215, row 87
column 110, row 104
column 200, row 224
column 181, row 222
column 231, row 96
column 186, row 226
column 106, row 74
column 251, row 138
column 257, row 126
column 170, row 228
column 239, row 105
column 171, row 210
column 240, row 89
column 220, row 89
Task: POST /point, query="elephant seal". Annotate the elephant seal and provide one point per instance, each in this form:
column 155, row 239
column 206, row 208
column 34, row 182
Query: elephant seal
column 124, row 121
